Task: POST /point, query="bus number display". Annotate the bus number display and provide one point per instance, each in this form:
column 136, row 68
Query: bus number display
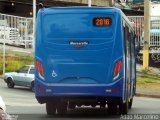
column 102, row 21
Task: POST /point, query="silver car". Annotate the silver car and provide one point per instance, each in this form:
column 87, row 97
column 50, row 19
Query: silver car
column 22, row 77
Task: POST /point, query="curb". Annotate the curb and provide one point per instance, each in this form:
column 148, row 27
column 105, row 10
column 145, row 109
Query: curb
column 147, row 95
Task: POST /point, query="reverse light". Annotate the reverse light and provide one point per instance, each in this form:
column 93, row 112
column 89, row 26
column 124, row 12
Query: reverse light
column 40, row 69
column 117, row 69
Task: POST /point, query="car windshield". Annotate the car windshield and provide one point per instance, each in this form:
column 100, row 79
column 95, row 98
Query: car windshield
column 31, row 70
column 23, row 69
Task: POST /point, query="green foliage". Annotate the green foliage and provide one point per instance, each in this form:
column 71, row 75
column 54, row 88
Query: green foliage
column 14, row 62
column 148, row 83
column 145, row 71
column 147, row 78
column 1, row 67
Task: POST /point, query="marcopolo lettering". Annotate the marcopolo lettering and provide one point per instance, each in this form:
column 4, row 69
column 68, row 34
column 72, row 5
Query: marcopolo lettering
column 78, row 42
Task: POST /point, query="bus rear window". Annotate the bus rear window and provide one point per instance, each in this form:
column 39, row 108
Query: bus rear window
column 78, row 26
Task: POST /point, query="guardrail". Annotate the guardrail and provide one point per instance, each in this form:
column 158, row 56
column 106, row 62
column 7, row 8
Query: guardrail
column 138, row 22
column 154, row 42
column 16, row 30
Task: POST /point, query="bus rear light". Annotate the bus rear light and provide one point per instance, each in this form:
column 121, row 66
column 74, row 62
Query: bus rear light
column 112, row 90
column 117, row 69
column 40, row 69
column 40, row 89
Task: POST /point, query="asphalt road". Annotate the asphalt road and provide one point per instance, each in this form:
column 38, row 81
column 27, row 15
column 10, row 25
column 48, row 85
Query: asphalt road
column 21, row 103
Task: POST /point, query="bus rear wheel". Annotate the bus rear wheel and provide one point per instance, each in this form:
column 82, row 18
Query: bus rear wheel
column 62, row 108
column 51, row 108
column 123, row 108
column 112, row 108
column 130, row 103
column 71, row 105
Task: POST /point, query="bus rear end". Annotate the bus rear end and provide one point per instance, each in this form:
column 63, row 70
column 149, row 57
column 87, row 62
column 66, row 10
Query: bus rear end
column 79, row 58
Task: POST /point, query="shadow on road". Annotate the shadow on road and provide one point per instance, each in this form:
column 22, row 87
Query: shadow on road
column 22, row 88
column 76, row 114
column 18, row 89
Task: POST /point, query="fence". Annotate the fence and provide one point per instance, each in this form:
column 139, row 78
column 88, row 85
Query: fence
column 154, row 42
column 16, row 30
column 138, row 22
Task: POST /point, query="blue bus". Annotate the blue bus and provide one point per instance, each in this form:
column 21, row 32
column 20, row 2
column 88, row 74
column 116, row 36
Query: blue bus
column 84, row 56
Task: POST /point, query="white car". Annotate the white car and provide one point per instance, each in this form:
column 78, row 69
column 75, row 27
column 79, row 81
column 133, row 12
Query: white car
column 2, row 109
column 2, row 104
column 22, row 77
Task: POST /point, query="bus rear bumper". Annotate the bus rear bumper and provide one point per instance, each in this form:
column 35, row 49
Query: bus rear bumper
column 46, row 92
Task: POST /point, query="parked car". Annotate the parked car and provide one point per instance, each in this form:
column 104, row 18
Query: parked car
column 22, row 77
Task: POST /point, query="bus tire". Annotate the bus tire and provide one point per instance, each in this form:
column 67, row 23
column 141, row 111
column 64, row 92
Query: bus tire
column 71, row 105
column 103, row 104
column 112, row 108
column 93, row 105
column 50, row 108
column 62, row 108
column 123, row 108
column 32, row 86
column 130, row 103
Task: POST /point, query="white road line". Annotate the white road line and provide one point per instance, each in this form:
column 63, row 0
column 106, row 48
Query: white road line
column 23, row 104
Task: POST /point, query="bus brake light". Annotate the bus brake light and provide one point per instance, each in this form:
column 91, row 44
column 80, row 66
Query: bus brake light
column 117, row 69
column 40, row 69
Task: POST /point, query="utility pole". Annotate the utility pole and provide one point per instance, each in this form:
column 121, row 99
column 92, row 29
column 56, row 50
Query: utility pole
column 34, row 22
column 4, row 52
column 89, row 3
column 146, row 34
column 111, row 2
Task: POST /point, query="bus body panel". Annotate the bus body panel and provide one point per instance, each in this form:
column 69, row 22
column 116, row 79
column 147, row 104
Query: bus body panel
column 78, row 57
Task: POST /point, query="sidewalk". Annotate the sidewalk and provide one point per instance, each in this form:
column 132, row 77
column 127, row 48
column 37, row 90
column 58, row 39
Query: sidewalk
column 1, row 76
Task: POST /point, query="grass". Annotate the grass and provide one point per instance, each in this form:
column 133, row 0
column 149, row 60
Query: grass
column 14, row 62
column 144, row 79
column 148, row 83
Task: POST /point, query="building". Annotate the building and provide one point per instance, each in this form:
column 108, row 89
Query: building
column 24, row 7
